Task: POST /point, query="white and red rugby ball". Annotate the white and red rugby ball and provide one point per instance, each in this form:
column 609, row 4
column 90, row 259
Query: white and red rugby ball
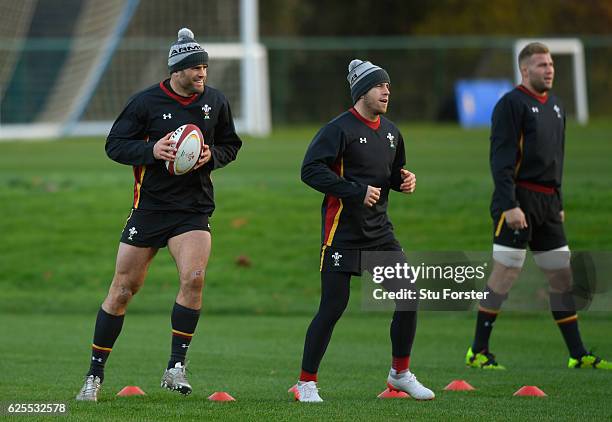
column 188, row 141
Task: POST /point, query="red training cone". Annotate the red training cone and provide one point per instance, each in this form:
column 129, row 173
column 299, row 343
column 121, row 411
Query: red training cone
column 392, row 394
column 530, row 390
column 459, row 385
column 293, row 390
column 131, row 390
column 220, row 396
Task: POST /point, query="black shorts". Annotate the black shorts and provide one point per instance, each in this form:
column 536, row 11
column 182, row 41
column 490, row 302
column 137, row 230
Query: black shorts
column 349, row 260
column 544, row 230
column 145, row 228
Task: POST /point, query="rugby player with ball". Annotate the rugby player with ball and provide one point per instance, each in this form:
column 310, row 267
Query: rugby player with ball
column 174, row 134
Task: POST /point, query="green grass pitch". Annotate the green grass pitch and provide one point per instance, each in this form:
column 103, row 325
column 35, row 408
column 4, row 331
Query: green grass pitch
column 64, row 205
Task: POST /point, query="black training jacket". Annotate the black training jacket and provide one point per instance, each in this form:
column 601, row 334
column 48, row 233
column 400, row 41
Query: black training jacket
column 527, row 145
column 346, row 156
column 149, row 116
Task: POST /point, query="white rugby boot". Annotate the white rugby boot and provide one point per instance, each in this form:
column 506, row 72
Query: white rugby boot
column 176, row 379
column 406, row 381
column 90, row 389
column 307, row 392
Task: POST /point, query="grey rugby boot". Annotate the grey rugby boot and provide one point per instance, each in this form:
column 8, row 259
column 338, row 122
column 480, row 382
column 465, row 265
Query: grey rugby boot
column 175, row 379
column 90, row 389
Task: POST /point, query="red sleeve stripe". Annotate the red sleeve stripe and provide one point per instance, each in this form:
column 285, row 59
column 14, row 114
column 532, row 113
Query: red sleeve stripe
column 139, row 172
column 333, row 209
column 519, row 154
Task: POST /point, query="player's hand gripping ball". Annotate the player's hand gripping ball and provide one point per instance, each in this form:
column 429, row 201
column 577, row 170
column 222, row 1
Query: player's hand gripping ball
column 188, row 142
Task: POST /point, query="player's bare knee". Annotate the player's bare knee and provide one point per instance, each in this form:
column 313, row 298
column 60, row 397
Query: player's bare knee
column 559, row 281
column 556, row 266
column 122, row 295
column 501, row 285
column 122, row 292
column 193, row 281
column 508, row 263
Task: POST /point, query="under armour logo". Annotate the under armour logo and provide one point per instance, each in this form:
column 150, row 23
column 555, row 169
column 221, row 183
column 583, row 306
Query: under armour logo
column 132, row 232
column 363, row 141
column 336, row 257
column 167, row 116
column 535, row 109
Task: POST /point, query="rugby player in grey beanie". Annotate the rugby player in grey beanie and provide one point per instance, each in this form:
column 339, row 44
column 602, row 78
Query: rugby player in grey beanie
column 355, row 160
column 168, row 210
column 187, row 64
column 186, row 52
column 363, row 75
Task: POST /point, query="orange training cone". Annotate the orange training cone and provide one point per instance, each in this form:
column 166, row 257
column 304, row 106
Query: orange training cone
column 131, row 390
column 392, row 394
column 293, row 390
column 221, row 396
column 530, row 390
column 459, row 385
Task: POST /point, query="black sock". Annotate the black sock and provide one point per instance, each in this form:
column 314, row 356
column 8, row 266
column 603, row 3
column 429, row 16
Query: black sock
column 487, row 314
column 402, row 331
column 564, row 312
column 184, row 322
column 106, row 332
column 335, row 291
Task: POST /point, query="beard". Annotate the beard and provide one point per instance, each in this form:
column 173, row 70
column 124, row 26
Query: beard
column 188, row 85
column 541, row 86
column 196, row 89
column 375, row 106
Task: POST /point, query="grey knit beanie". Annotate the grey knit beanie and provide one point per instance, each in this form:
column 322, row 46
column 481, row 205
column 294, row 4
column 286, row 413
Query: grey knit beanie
column 364, row 75
column 186, row 52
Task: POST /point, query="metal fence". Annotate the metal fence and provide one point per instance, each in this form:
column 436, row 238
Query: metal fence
column 308, row 76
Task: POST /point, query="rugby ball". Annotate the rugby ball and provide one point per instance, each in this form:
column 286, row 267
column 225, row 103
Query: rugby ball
column 188, row 141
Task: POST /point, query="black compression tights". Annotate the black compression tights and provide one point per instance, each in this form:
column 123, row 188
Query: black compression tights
column 335, row 291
